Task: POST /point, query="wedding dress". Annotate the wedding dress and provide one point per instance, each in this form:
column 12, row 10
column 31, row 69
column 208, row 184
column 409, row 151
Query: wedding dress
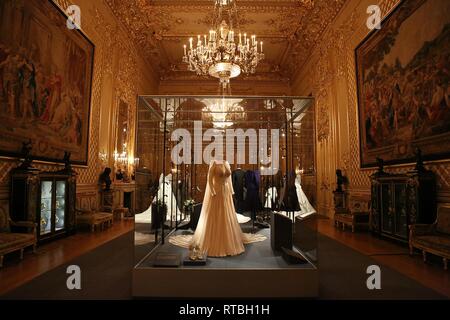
column 164, row 192
column 218, row 231
column 306, row 208
column 271, row 198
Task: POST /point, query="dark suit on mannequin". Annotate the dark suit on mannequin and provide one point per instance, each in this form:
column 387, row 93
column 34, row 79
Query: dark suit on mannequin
column 238, row 185
column 290, row 199
column 252, row 199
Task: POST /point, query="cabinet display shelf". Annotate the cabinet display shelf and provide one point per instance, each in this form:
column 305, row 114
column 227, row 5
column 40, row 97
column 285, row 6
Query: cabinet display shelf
column 47, row 198
column 400, row 200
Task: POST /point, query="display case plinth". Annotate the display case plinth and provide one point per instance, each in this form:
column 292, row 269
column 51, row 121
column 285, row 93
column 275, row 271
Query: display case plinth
column 257, row 273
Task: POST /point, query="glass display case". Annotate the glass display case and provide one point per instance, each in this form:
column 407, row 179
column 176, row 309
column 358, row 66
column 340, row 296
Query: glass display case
column 46, row 198
column 269, row 143
column 53, row 209
column 283, row 129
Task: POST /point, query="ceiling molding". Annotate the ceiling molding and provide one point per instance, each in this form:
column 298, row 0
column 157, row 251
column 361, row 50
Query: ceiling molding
column 289, row 28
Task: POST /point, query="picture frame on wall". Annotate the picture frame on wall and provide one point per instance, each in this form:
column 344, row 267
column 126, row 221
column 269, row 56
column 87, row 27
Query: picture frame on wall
column 403, row 85
column 46, row 72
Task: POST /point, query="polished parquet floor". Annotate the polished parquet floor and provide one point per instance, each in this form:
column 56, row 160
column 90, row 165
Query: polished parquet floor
column 49, row 256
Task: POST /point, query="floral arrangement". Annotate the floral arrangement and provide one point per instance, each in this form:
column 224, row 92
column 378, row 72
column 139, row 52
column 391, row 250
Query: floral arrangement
column 43, row 223
column 189, row 204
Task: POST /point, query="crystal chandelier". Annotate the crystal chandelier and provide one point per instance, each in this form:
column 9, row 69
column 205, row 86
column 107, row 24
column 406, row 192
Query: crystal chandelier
column 224, row 54
column 224, row 112
column 218, row 112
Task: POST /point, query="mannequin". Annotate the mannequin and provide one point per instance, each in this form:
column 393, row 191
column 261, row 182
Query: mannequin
column 305, row 207
column 271, row 198
column 252, row 199
column 164, row 192
column 218, row 233
column 238, row 186
column 295, row 199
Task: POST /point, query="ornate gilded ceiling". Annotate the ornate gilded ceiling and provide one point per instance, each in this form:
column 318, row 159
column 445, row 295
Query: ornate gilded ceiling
column 289, row 29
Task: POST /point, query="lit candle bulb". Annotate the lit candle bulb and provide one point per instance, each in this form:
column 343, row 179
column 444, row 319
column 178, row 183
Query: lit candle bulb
column 205, row 39
column 199, row 42
column 245, row 38
column 210, row 35
column 261, row 47
column 240, row 38
column 185, row 50
column 190, row 42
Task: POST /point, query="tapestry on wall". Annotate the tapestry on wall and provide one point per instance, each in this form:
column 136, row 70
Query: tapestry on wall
column 403, row 85
column 45, row 82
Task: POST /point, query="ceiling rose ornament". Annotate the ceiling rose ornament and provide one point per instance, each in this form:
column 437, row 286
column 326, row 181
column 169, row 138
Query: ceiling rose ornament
column 224, row 53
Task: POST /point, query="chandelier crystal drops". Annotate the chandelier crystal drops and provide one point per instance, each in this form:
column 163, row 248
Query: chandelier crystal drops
column 223, row 54
column 223, row 2
column 224, row 112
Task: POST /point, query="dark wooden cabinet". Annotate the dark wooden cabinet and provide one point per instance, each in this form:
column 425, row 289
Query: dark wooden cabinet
column 47, row 198
column 23, row 198
column 399, row 200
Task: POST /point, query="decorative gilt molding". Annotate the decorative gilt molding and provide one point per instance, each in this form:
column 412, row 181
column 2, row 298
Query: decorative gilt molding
column 207, row 20
column 342, row 36
column 155, row 25
column 323, row 118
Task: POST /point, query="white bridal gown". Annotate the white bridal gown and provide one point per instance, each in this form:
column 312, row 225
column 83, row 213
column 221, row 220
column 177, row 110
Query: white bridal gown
column 164, row 191
column 305, row 206
column 218, row 231
column 271, row 197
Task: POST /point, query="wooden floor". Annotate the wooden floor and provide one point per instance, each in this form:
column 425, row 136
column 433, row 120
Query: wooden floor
column 392, row 255
column 49, row 256
column 52, row 255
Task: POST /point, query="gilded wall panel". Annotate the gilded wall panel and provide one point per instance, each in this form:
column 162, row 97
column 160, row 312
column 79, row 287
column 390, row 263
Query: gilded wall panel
column 103, row 29
column 342, row 37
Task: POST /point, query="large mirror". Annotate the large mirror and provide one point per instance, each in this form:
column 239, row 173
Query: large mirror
column 122, row 139
column 122, row 128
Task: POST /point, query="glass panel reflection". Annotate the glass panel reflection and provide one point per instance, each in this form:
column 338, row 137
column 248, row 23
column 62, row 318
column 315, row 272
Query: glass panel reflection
column 46, row 207
column 170, row 195
column 60, row 204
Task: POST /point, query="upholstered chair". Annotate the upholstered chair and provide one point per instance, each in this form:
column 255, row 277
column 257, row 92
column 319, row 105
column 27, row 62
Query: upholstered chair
column 14, row 241
column 433, row 238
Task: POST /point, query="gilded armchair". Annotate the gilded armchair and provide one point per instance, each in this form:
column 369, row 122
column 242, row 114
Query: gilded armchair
column 358, row 214
column 433, row 238
column 93, row 219
column 14, row 241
